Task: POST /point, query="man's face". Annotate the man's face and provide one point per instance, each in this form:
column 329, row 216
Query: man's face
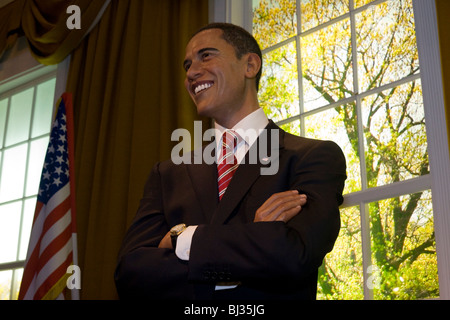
column 215, row 77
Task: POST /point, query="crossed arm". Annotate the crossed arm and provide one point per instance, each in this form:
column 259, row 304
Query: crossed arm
column 282, row 206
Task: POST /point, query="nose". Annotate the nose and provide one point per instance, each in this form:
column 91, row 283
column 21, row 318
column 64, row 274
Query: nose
column 194, row 71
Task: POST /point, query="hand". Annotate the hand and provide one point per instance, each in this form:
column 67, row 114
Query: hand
column 282, row 206
column 166, row 242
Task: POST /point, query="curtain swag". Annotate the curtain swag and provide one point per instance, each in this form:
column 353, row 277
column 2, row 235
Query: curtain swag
column 44, row 24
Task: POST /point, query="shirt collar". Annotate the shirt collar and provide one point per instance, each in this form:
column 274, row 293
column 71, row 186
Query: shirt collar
column 255, row 122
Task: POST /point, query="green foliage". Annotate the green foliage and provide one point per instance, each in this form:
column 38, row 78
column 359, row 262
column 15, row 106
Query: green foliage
column 395, row 148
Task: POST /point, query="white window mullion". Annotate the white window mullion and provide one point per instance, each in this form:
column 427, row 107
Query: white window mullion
column 366, row 249
column 395, row 189
column 363, row 207
column 3, row 142
column 300, row 68
column 300, row 84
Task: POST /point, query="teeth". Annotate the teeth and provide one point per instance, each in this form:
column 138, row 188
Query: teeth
column 202, row 87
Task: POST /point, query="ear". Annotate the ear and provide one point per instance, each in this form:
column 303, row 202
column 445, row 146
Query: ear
column 253, row 65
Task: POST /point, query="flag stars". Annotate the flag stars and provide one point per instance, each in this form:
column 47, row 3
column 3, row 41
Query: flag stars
column 62, row 138
column 57, row 181
column 55, row 173
column 46, row 175
column 59, row 159
column 58, row 170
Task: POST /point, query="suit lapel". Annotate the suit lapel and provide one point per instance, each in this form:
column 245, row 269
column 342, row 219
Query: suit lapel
column 204, row 182
column 249, row 171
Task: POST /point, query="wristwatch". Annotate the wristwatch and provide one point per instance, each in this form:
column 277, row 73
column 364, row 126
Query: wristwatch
column 175, row 232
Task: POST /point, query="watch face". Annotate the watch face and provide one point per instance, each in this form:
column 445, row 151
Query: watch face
column 177, row 229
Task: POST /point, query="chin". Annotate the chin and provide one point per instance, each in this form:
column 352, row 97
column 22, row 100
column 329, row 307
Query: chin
column 204, row 111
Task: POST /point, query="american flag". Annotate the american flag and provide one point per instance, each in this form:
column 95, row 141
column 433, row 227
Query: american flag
column 52, row 246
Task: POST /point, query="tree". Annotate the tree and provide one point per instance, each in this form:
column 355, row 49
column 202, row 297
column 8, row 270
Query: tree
column 402, row 236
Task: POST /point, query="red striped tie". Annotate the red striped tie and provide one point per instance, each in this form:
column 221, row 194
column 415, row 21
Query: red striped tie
column 227, row 163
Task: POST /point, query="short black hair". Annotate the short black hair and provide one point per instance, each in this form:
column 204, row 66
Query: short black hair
column 242, row 41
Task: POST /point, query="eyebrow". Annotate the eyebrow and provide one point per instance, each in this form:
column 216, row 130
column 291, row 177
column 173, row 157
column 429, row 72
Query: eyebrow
column 185, row 62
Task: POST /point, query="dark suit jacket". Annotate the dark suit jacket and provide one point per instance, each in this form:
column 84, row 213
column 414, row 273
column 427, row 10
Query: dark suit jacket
column 271, row 260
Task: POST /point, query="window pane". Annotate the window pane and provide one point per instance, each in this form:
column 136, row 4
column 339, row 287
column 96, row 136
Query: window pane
column 17, row 276
column 395, row 135
column 315, row 12
column 274, row 21
column 360, row 3
column 278, row 94
column 9, row 230
column 341, row 274
column 38, row 149
column 3, row 110
column 28, row 215
column 43, row 108
column 327, row 65
column 403, row 247
column 292, row 127
column 387, row 49
column 13, row 173
column 339, row 125
column 5, row 284
column 19, row 117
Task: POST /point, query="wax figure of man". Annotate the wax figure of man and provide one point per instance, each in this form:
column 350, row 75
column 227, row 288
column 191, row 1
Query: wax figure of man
column 267, row 234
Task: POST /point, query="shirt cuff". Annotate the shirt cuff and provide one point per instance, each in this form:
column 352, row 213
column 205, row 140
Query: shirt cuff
column 184, row 240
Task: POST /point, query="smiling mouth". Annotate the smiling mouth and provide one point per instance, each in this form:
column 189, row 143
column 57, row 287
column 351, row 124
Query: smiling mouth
column 202, row 87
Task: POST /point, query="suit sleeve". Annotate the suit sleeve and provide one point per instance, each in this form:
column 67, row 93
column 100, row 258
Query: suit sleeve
column 275, row 251
column 143, row 269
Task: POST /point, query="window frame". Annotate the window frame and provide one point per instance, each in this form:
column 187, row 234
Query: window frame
column 30, row 80
column 240, row 12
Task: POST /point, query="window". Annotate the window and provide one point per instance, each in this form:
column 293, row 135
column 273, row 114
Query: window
column 26, row 108
column 349, row 71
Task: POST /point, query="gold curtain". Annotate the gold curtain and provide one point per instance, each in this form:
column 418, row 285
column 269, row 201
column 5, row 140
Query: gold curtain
column 443, row 12
column 127, row 81
column 43, row 22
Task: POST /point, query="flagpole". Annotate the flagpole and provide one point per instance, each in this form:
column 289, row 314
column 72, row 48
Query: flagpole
column 75, row 293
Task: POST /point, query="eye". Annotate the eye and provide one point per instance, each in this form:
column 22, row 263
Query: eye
column 205, row 55
column 187, row 66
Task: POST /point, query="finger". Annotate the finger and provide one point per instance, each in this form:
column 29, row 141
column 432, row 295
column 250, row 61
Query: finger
column 271, row 212
column 278, row 196
column 286, row 211
column 285, row 216
column 277, row 208
column 281, row 202
column 166, row 242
